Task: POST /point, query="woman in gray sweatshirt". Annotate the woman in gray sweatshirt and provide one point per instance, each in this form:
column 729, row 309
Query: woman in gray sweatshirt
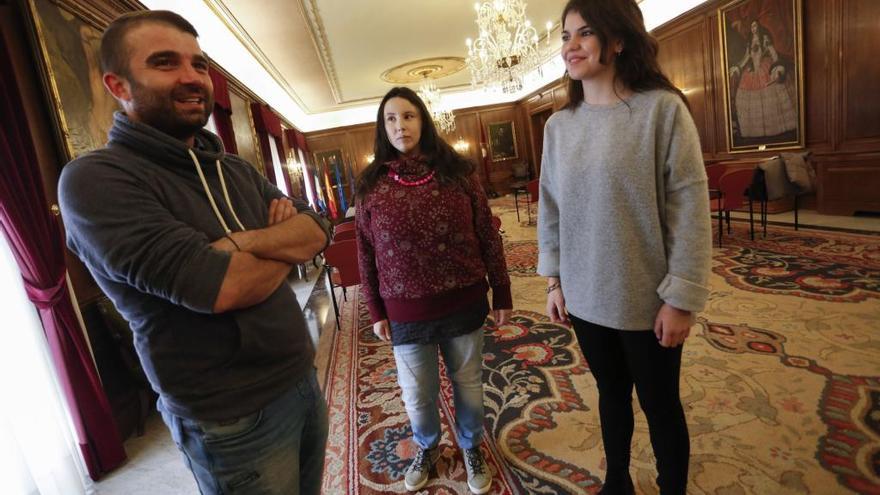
column 624, row 231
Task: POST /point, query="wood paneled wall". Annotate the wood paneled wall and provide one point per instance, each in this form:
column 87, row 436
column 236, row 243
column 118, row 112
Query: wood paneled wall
column 471, row 125
column 841, row 102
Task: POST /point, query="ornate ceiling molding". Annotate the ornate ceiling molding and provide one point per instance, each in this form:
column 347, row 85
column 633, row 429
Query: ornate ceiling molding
column 322, row 46
column 222, row 12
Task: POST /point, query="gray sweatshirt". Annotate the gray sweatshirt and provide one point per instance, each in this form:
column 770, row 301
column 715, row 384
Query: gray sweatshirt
column 138, row 216
column 623, row 217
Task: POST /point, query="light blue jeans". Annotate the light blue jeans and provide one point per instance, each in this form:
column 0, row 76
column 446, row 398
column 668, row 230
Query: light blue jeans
column 278, row 450
column 418, row 374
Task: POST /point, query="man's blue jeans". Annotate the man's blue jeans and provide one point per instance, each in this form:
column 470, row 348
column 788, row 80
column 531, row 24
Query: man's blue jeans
column 419, row 377
column 278, row 450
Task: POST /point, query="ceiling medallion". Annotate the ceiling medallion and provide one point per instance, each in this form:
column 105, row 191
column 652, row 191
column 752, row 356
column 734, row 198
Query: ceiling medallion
column 411, row 72
column 425, row 72
column 506, row 48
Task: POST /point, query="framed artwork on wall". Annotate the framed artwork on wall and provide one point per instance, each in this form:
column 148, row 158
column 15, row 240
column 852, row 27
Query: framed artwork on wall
column 761, row 47
column 502, row 141
column 245, row 133
column 68, row 40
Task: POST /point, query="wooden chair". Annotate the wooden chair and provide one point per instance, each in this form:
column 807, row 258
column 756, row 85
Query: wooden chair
column 340, row 258
column 532, row 187
column 733, row 193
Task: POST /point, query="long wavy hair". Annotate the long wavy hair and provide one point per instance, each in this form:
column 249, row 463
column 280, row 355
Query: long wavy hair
column 449, row 166
column 636, row 66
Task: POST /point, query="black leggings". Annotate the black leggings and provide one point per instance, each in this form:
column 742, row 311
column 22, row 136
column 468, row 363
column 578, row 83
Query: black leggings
column 618, row 360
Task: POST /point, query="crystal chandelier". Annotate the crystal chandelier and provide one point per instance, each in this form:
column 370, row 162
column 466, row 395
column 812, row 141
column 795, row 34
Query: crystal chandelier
column 506, row 48
column 428, row 92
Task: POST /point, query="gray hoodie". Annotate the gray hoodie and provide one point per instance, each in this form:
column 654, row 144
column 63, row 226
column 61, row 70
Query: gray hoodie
column 138, row 216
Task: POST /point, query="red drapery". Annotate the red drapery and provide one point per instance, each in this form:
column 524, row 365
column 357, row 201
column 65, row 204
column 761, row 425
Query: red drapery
column 268, row 126
column 223, row 111
column 34, row 237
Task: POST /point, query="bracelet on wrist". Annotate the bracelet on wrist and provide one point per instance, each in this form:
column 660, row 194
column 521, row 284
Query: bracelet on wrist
column 552, row 287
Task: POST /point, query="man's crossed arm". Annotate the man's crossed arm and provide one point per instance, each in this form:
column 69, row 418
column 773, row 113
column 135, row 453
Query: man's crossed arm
column 262, row 258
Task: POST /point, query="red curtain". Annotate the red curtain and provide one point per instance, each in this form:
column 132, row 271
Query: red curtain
column 268, row 126
column 266, row 123
column 34, row 237
column 223, row 111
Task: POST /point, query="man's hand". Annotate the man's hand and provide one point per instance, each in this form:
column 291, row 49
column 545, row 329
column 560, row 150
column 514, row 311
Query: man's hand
column 280, row 210
column 288, row 237
column 672, row 325
column 382, row 330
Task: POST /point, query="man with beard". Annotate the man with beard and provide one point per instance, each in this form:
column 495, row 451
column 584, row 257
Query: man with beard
column 193, row 247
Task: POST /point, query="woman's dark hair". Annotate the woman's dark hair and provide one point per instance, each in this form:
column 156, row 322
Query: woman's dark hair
column 448, row 164
column 636, row 66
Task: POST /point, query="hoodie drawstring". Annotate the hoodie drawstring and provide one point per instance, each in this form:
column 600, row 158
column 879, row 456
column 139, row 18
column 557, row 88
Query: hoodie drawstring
column 211, row 196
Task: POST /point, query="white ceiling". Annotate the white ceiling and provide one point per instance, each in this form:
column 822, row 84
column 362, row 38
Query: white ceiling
column 354, row 42
column 319, row 62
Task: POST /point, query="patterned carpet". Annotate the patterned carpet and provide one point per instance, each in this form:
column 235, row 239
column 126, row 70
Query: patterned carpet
column 780, row 380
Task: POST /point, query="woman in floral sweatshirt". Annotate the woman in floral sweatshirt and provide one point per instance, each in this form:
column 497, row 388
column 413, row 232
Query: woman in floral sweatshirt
column 426, row 248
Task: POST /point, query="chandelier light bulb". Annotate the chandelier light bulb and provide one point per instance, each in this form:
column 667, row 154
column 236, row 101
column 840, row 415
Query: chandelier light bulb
column 506, row 48
column 443, row 118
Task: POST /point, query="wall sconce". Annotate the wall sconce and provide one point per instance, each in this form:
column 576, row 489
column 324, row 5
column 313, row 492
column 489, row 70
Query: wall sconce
column 461, row 146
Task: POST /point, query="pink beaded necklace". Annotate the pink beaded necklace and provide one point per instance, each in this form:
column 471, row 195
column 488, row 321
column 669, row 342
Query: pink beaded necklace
column 418, row 182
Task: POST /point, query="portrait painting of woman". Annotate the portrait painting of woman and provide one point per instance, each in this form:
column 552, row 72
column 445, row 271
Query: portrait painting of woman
column 762, row 62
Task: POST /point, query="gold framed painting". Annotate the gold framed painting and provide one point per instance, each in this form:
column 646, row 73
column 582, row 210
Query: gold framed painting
column 67, row 37
column 762, row 53
column 245, row 132
column 502, row 141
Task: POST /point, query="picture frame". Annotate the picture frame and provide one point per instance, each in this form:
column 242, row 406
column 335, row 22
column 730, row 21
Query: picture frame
column 762, row 65
column 327, row 158
column 502, row 141
column 245, row 133
column 67, row 39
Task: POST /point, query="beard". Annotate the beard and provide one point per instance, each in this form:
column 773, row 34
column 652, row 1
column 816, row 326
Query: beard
column 159, row 109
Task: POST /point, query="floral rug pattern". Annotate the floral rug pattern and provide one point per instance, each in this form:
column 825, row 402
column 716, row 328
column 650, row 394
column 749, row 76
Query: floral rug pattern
column 780, row 381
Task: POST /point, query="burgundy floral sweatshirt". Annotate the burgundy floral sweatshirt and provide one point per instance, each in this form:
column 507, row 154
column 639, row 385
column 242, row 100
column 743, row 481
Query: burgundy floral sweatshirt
column 426, row 250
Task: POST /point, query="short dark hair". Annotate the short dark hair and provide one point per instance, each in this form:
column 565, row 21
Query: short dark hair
column 115, row 52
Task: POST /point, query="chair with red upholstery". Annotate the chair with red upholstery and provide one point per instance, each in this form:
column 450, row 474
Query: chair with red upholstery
column 734, row 193
column 714, row 173
column 344, row 231
column 345, row 235
column 341, row 261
